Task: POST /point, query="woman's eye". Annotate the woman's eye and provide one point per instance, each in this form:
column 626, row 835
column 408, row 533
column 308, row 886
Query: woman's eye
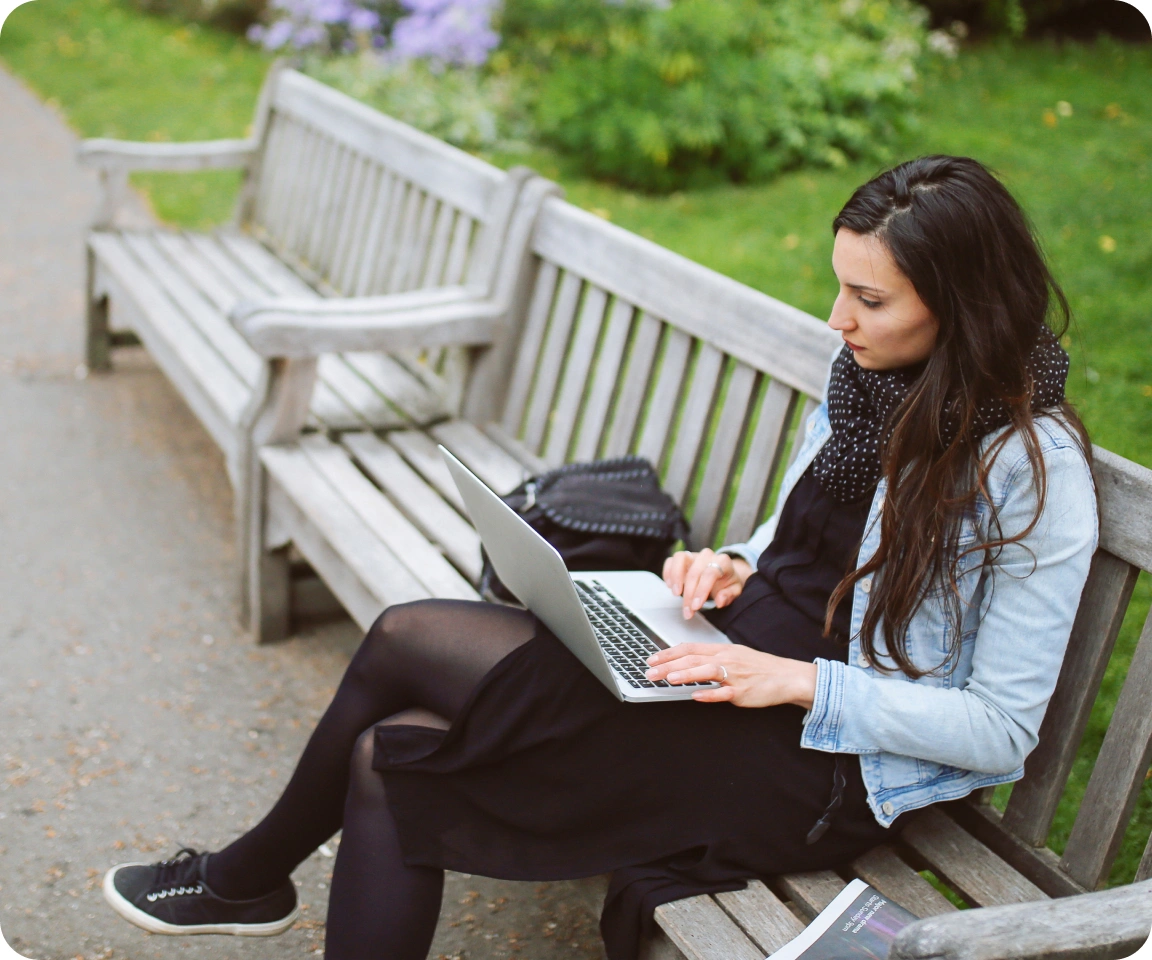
column 870, row 304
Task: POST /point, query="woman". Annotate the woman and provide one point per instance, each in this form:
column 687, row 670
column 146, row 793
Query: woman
column 898, row 630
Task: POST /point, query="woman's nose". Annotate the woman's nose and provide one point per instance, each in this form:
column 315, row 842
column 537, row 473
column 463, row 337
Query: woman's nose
column 841, row 318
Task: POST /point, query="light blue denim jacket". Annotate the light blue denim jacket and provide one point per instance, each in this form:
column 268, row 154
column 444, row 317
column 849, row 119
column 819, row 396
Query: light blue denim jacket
column 953, row 731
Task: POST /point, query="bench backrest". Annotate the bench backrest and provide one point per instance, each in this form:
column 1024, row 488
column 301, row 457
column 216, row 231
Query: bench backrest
column 361, row 204
column 1121, row 767
column 626, row 347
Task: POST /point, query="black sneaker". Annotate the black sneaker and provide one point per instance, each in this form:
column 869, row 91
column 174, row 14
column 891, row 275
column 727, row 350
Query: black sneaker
column 173, row 897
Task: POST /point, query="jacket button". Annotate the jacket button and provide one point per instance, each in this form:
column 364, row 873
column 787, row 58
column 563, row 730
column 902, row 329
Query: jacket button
column 887, row 808
column 866, row 584
column 862, row 659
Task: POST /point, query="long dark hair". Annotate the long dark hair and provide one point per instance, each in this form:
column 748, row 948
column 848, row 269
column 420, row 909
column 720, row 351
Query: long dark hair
column 969, row 251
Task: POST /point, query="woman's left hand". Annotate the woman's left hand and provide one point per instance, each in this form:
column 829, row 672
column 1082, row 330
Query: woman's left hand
column 749, row 678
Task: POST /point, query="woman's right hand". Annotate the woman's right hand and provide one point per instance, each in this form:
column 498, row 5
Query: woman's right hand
column 705, row 575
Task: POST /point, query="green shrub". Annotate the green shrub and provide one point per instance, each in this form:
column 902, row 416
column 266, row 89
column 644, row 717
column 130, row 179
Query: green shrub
column 234, row 15
column 471, row 107
column 660, row 96
column 1003, row 16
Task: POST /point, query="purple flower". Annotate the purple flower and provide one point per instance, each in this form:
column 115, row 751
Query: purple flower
column 448, row 31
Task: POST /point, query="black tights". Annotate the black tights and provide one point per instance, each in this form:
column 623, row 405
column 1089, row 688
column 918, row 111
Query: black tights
column 423, row 657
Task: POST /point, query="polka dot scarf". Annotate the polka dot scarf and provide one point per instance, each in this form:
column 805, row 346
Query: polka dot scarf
column 860, row 403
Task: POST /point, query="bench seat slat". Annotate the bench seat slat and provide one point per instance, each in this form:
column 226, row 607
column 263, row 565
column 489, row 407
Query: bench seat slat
column 393, row 529
column 383, row 574
column 371, row 409
column 885, row 871
column 420, row 451
column 490, row 462
column 761, row 916
column 402, row 388
column 811, row 891
column 273, row 273
column 701, row 930
column 211, row 387
column 435, row 518
column 965, row 864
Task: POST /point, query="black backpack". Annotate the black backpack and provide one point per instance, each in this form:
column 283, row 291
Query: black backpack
column 603, row 515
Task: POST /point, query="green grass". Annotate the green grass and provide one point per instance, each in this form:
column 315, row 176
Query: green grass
column 115, row 72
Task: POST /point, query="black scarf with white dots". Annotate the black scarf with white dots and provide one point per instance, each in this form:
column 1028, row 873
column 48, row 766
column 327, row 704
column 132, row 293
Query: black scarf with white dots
column 860, row 404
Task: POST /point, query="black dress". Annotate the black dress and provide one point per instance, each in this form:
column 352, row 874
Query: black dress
column 545, row 775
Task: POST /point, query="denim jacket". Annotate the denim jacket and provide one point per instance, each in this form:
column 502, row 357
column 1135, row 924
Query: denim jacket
column 956, row 730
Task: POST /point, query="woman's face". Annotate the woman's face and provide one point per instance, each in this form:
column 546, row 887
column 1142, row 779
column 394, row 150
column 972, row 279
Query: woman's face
column 878, row 312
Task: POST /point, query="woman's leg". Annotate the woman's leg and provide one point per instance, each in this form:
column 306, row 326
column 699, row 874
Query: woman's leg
column 429, row 654
column 379, row 908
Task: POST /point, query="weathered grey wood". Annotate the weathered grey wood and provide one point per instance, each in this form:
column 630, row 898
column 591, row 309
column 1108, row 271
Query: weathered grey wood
column 604, row 381
column 377, row 219
column 358, row 394
column 406, row 240
column 458, row 252
column 480, row 454
column 435, row 518
column 718, row 469
column 1094, row 926
column 184, row 257
column 438, row 247
column 267, row 218
column 761, row 916
column 532, row 464
column 531, row 339
column 98, row 335
column 393, row 529
column 1098, row 619
column 811, row 891
column 328, row 224
column 1118, row 775
column 419, row 449
column 262, row 265
column 970, row 868
column 663, row 399
column 810, row 405
column 1124, row 491
column 629, row 403
column 464, row 181
column 418, row 256
column 580, row 354
column 124, row 155
column 305, row 194
column 761, row 331
column 395, row 382
column 694, row 419
column 550, row 361
column 1038, row 864
column 885, row 871
column 349, row 245
column 1144, row 870
column 702, row 931
column 263, row 130
column 765, row 450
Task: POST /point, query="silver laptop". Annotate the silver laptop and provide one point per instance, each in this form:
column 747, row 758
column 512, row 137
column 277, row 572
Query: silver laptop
column 611, row 620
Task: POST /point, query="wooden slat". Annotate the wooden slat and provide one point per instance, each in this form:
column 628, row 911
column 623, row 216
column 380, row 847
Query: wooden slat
column 281, row 168
column 247, row 286
column 201, row 275
column 418, row 256
column 702, row 931
column 634, row 386
column 1034, row 799
column 885, row 871
column 386, row 250
column 273, row 171
column 343, row 212
column 311, row 246
column 1038, row 864
column 352, row 241
column 533, row 465
column 980, row 876
column 1124, row 491
column 811, row 891
column 662, row 402
column 451, row 174
column 309, row 148
column 404, row 540
column 763, row 332
column 319, row 248
column 271, row 272
column 392, row 380
column 215, row 329
column 420, row 451
column 377, row 221
column 531, row 337
column 761, row 461
column 810, row 405
column 373, row 563
column 604, row 381
column 454, row 270
column 406, row 239
column 579, row 360
column 546, row 372
column 694, row 420
column 761, row 916
column 351, row 215
column 438, row 247
column 369, row 405
column 1144, row 871
column 1121, row 767
column 436, row 519
column 480, row 454
column 721, row 454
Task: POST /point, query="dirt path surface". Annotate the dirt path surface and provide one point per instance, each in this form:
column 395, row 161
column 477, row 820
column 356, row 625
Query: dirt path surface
column 135, row 714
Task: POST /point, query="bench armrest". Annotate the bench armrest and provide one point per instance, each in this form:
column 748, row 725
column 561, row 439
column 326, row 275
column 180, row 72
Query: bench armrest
column 1110, row 923
column 298, row 328
column 126, row 155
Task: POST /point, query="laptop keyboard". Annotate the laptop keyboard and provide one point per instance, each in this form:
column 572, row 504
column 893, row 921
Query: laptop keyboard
column 626, row 646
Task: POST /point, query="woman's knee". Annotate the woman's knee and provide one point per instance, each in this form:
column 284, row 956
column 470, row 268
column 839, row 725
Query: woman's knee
column 364, row 783
column 393, row 630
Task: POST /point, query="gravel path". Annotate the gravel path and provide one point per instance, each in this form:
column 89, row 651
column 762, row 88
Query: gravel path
column 135, row 715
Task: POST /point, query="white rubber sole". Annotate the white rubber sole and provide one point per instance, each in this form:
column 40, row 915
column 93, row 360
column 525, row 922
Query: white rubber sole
column 145, row 921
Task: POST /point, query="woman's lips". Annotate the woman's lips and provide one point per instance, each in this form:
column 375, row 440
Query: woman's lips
column 852, row 346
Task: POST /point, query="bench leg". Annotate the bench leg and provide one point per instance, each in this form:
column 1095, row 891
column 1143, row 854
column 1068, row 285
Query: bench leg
column 266, row 587
column 99, row 346
column 270, row 622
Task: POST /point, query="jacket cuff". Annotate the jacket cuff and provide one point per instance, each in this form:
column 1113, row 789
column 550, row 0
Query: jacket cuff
column 822, row 722
column 743, row 551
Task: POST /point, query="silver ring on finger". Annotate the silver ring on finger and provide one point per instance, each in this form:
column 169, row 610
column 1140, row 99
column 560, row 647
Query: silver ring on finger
column 723, row 673
column 716, row 565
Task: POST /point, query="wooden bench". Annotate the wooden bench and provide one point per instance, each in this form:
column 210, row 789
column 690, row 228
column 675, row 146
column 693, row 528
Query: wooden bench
column 616, row 345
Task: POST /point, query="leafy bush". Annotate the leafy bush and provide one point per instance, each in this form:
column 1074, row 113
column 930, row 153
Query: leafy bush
column 234, row 15
column 659, row 96
column 467, row 106
column 1003, row 16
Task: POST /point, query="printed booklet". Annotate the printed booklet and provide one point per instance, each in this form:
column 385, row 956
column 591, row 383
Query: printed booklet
column 860, row 922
